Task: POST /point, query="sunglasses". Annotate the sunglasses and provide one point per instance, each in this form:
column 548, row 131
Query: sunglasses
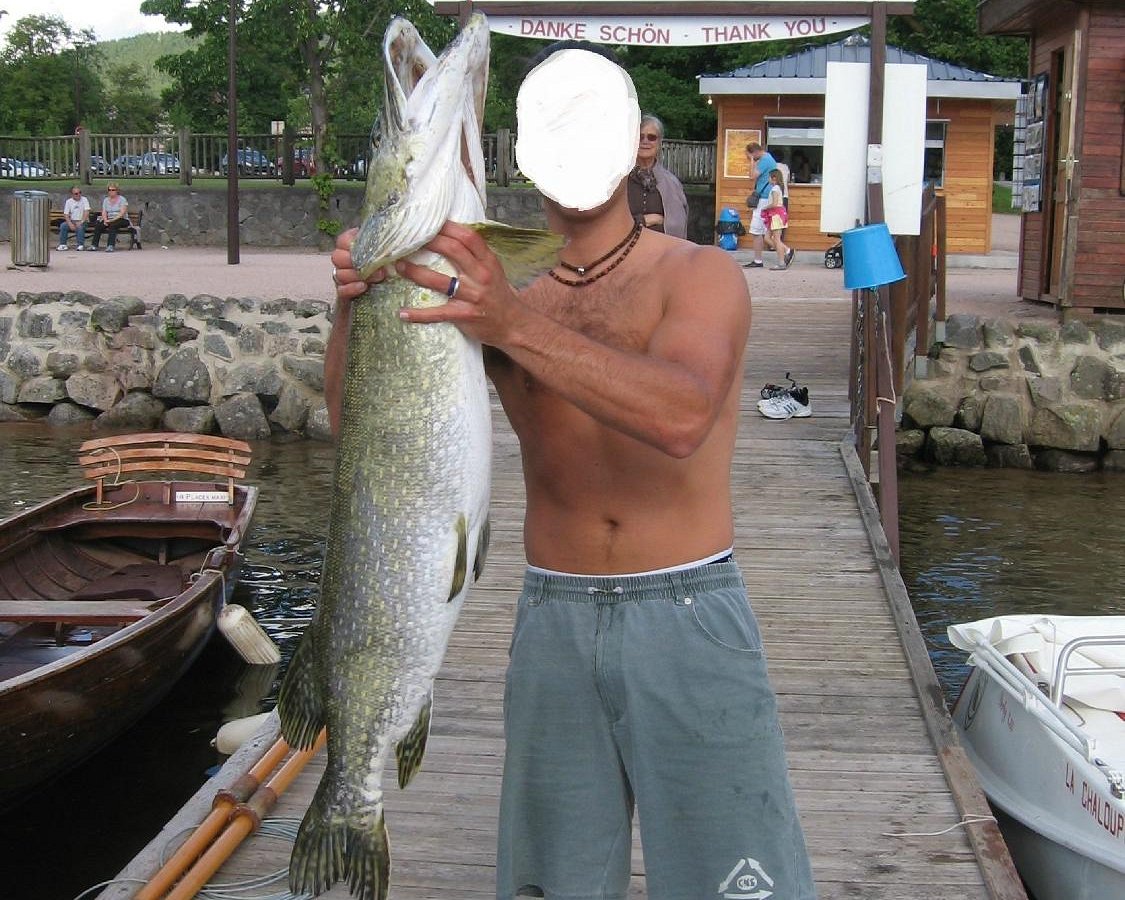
column 112, row 190
column 650, row 137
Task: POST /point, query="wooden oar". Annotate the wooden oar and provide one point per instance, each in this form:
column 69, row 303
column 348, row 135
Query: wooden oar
column 245, row 819
column 205, row 832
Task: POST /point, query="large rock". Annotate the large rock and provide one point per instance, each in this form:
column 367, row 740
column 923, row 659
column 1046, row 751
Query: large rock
column 136, row 412
column 963, row 332
column 42, row 389
column 67, row 413
column 307, row 370
column 317, row 427
column 930, row 404
column 113, row 315
column 1115, row 434
column 190, row 419
column 243, row 418
column 184, row 379
column 1002, row 421
column 95, row 391
column 955, row 447
column 1052, row 460
column 1067, row 426
column 1093, row 378
column 292, row 410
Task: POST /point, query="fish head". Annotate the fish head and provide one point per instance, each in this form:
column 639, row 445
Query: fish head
column 427, row 163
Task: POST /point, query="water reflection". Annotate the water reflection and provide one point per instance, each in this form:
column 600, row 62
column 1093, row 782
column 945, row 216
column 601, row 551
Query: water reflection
column 978, row 543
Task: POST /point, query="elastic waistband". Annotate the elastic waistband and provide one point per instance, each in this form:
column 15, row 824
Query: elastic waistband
column 612, row 588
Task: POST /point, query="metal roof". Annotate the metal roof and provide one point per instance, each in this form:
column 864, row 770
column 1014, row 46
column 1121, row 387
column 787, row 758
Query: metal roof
column 805, row 71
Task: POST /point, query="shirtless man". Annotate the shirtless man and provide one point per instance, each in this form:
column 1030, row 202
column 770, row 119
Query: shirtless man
column 637, row 674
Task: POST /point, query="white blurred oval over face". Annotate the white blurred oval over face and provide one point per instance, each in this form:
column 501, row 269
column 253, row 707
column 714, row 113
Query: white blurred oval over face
column 578, row 121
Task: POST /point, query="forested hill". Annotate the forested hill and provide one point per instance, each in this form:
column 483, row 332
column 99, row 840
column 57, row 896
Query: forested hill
column 142, row 51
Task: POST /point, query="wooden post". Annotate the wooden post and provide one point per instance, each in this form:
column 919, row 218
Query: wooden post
column 184, row 140
column 85, row 176
column 503, row 156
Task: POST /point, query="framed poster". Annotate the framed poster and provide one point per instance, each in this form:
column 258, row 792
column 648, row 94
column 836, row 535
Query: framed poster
column 1033, row 137
column 736, row 161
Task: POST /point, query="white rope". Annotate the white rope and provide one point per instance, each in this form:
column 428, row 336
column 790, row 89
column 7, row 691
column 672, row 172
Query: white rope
column 965, row 820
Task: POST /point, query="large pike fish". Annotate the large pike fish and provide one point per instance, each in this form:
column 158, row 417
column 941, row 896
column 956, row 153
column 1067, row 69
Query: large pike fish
column 409, row 521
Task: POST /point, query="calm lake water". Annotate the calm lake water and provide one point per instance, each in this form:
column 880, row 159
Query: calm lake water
column 974, row 544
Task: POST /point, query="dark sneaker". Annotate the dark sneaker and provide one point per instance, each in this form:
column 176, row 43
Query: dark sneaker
column 754, row 264
column 789, row 258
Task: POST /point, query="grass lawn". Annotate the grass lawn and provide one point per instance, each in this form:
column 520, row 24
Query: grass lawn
column 1002, row 199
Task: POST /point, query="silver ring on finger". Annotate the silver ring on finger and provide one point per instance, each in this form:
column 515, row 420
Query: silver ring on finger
column 454, row 284
column 335, row 277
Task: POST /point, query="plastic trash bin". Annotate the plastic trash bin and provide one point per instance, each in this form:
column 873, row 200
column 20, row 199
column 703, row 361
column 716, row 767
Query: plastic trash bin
column 729, row 228
column 31, row 228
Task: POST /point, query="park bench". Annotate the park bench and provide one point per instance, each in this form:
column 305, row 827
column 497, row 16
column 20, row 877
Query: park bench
column 133, row 233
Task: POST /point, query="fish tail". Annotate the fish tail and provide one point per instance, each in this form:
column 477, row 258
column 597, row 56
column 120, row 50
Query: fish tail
column 300, row 703
column 369, row 861
column 333, row 848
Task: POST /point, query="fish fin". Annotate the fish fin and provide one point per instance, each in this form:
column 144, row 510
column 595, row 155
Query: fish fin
column 410, row 750
column 330, row 848
column 482, row 548
column 461, row 561
column 525, row 252
column 299, row 702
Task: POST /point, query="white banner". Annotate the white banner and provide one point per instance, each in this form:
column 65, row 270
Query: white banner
column 673, row 31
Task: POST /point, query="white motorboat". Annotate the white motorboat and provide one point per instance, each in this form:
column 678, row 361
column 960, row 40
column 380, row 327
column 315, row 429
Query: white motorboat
column 1042, row 718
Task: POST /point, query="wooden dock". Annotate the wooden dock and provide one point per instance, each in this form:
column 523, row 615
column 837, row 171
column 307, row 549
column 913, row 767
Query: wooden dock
column 880, row 813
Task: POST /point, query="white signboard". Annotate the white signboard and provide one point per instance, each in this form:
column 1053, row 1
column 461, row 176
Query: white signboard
column 899, row 157
column 673, row 31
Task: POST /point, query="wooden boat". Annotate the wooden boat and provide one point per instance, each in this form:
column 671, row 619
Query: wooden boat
column 110, row 591
column 1042, row 717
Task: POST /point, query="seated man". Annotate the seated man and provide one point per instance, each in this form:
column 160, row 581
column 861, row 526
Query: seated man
column 75, row 212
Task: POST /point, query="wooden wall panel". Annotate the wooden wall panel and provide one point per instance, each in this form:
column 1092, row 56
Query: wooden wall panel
column 1099, row 264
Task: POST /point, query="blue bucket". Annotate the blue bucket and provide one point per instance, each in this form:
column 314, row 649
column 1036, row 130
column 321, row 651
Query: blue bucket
column 870, row 259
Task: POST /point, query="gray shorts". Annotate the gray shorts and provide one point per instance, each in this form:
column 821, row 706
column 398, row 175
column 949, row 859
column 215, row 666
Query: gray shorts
column 648, row 690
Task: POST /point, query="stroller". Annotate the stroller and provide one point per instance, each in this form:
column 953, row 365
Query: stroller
column 834, row 256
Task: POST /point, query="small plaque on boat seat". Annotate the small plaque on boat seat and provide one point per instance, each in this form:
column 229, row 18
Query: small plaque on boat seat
column 201, row 496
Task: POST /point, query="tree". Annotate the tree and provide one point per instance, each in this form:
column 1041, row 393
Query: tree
column 947, row 30
column 48, row 77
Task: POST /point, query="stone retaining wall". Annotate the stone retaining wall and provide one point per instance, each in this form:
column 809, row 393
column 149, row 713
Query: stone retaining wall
column 1027, row 395
column 275, row 216
column 242, row 368
column 1034, row 394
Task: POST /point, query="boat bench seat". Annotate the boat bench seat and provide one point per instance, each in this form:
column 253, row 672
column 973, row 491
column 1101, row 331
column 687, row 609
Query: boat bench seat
column 73, row 612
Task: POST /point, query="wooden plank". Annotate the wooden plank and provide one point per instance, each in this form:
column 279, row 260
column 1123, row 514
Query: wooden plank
column 73, row 612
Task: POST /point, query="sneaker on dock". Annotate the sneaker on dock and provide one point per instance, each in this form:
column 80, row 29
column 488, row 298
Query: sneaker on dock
column 794, row 404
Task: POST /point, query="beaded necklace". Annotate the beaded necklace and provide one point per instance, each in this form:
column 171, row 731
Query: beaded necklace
column 623, row 249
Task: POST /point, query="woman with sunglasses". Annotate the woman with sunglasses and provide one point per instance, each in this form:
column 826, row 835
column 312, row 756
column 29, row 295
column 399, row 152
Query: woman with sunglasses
column 656, row 197
column 114, row 218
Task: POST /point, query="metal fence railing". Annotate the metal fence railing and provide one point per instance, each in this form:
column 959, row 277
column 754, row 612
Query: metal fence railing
column 183, row 155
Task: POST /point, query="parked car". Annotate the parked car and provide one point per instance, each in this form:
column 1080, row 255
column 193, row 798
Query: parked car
column 160, row 164
column 10, row 167
column 98, row 164
column 126, row 164
column 304, row 166
column 250, row 162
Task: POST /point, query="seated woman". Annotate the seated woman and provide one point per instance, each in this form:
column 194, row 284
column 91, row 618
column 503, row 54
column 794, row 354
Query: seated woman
column 114, row 218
